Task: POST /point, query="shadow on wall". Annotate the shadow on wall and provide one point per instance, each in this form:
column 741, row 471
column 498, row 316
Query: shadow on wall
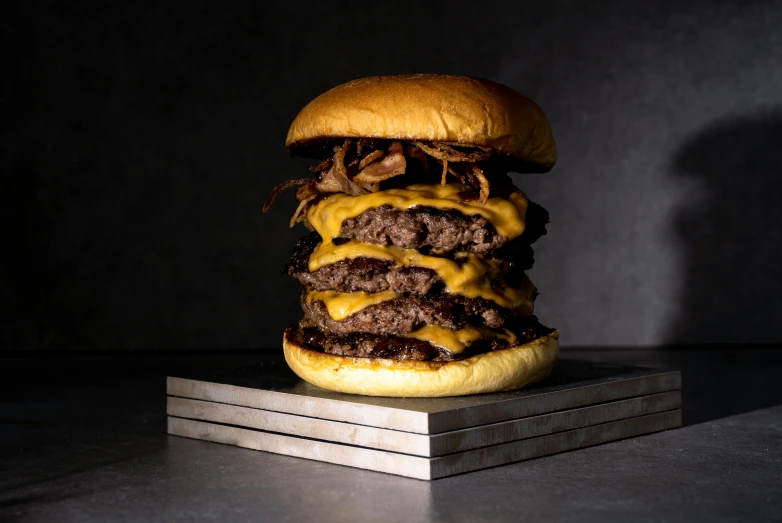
column 731, row 236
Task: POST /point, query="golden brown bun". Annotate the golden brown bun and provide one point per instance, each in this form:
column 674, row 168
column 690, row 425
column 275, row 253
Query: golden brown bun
column 501, row 370
column 428, row 107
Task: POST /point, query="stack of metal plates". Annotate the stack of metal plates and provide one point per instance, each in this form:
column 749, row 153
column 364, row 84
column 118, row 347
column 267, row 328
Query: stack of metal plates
column 579, row 405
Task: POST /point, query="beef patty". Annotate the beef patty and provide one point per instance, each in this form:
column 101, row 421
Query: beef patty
column 376, row 275
column 446, row 230
column 423, row 227
column 369, row 275
column 365, row 345
column 408, row 313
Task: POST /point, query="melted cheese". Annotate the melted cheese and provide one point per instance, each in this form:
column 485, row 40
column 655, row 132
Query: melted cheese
column 340, row 305
column 457, row 341
column 471, row 279
column 507, row 215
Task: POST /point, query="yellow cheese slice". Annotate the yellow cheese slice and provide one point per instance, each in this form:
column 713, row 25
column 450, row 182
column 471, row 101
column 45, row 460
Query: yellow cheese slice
column 507, row 215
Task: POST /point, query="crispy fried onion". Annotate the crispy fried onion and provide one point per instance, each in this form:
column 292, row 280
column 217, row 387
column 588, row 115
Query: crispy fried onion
column 335, row 178
column 476, row 173
column 443, row 151
column 458, row 175
column 283, row 187
column 305, row 194
column 445, row 172
column 322, row 166
column 371, row 157
column 393, row 164
column 370, row 163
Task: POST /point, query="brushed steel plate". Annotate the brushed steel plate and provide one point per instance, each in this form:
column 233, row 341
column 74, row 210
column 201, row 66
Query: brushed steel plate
column 422, row 444
column 419, row 467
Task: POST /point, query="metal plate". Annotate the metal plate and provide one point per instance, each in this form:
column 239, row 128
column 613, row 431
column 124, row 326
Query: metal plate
column 422, row 467
column 572, row 384
column 422, row 444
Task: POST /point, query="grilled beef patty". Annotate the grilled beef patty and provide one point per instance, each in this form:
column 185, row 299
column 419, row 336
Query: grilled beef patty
column 366, row 345
column 376, row 275
column 369, row 275
column 408, row 313
column 425, row 228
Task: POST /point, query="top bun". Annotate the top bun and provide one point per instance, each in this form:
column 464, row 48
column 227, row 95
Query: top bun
column 428, row 107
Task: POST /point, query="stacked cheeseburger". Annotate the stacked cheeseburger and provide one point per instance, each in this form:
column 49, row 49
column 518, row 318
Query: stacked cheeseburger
column 415, row 271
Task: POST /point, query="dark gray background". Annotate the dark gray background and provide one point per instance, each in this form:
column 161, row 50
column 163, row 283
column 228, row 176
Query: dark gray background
column 140, row 142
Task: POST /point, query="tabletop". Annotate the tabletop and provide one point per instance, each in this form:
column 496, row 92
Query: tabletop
column 83, row 439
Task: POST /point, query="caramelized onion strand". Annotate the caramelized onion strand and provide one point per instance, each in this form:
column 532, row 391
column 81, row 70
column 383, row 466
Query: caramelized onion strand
column 283, row 187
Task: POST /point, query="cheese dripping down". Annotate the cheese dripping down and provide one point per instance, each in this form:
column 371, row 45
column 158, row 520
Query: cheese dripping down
column 340, row 305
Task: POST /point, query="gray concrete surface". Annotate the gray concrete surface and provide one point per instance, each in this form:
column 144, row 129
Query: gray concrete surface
column 83, row 439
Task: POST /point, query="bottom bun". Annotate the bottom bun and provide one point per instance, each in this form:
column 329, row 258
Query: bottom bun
column 500, row 370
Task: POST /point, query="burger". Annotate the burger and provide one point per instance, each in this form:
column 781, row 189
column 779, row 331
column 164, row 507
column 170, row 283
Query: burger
column 414, row 272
